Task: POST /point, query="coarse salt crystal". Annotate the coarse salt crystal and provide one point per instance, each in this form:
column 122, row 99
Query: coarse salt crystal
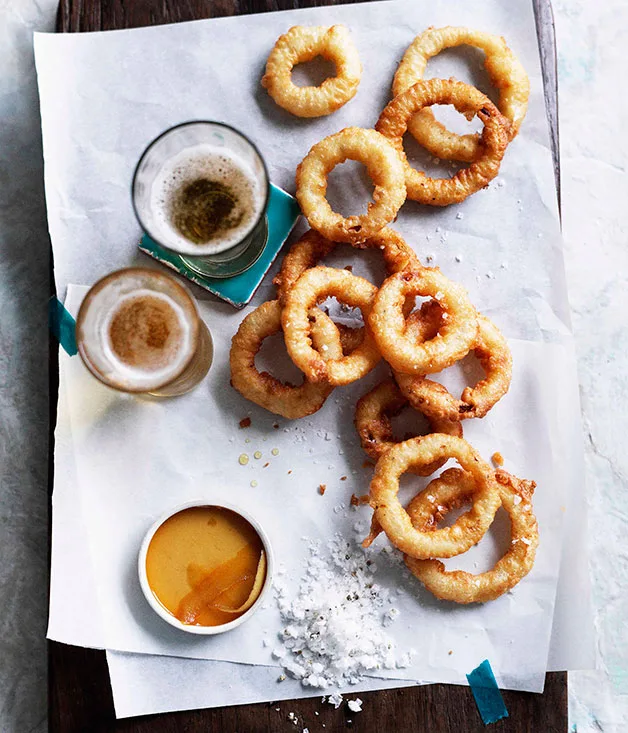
column 517, row 500
column 335, row 699
column 390, row 616
column 355, row 705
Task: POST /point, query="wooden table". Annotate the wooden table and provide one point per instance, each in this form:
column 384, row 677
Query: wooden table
column 79, row 691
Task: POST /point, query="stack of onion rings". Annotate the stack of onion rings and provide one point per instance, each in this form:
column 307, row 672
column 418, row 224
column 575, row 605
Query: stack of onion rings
column 395, row 521
column 312, row 287
column 414, row 530
column 435, row 401
column 301, row 44
column 394, row 120
column 313, row 247
column 385, row 167
column 399, row 347
column 505, row 71
column 456, row 585
column 372, row 421
column 262, row 388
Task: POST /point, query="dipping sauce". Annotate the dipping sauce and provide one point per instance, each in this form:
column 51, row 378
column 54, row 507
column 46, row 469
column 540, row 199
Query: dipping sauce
column 206, row 565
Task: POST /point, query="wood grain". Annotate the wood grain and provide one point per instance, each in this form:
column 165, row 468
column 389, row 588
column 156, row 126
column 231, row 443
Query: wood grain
column 79, row 692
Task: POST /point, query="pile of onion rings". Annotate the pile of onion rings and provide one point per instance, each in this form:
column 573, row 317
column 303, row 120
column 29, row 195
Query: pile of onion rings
column 414, row 531
column 372, row 421
column 416, row 343
column 393, row 124
column 328, row 354
column 504, row 69
column 261, row 387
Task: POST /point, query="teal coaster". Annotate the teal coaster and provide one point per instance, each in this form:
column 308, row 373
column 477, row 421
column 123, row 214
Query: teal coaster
column 282, row 214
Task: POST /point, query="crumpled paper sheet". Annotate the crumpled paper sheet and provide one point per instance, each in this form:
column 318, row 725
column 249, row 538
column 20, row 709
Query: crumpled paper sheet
column 137, row 458
column 91, row 150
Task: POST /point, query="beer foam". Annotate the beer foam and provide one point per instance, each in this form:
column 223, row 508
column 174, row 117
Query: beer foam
column 216, row 165
column 146, row 338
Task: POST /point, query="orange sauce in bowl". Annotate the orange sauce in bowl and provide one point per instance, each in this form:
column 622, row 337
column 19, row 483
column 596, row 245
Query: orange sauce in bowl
column 202, row 564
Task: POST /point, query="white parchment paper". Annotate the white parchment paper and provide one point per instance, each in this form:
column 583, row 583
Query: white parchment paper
column 137, row 458
column 503, row 244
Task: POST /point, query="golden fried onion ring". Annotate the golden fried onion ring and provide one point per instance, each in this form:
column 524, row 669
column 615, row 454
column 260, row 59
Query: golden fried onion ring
column 262, row 388
column 503, row 67
column 395, row 521
column 385, row 167
column 399, row 346
column 312, row 287
column 435, row 401
column 457, row 585
column 372, row 421
column 394, row 120
column 313, row 247
column 304, row 43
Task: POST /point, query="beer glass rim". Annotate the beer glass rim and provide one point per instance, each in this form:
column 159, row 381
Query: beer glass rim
column 97, row 287
column 190, row 123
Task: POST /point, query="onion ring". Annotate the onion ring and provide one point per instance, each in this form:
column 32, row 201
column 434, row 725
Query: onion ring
column 435, row 401
column 304, row 43
column 462, row 587
column 394, row 120
column 385, row 167
column 395, row 521
column 262, row 388
column 312, row 247
column 503, row 67
column 398, row 346
column 372, row 421
column 312, row 287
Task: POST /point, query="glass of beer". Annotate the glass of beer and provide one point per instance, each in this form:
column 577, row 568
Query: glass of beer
column 201, row 190
column 139, row 330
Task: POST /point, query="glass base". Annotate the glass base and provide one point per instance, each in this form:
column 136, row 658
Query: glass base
column 234, row 260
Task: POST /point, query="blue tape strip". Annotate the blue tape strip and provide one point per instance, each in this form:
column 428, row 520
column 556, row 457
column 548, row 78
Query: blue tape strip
column 487, row 696
column 62, row 325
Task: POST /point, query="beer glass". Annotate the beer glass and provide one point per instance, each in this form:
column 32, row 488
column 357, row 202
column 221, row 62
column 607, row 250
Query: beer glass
column 201, row 190
column 138, row 330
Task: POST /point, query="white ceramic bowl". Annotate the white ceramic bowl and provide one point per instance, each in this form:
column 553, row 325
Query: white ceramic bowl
column 157, row 607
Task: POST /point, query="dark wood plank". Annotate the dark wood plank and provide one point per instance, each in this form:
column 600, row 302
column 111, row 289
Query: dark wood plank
column 79, row 692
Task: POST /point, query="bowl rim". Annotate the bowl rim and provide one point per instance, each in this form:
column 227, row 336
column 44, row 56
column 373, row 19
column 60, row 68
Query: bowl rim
column 151, row 598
